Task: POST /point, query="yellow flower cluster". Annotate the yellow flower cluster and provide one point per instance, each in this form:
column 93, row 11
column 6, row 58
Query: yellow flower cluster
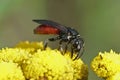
column 48, row 64
column 29, row 61
column 31, row 47
column 15, row 55
column 10, row 71
column 107, row 65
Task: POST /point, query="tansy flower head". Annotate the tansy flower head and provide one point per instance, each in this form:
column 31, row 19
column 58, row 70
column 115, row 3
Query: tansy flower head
column 51, row 65
column 80, row 69
column 30, row 46
column 106, row 64
column 39, row 64
column 10, row 71
column 16, row 55
column 48, row 64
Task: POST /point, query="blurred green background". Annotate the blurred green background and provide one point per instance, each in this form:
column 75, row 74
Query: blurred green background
column 98, row 22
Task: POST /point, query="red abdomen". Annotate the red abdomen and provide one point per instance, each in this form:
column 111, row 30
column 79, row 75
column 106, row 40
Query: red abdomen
column 45, row 29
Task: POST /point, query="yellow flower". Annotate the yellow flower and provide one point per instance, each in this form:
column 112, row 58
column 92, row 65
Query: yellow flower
column 10, row 71
column 30, row 46
column 116, row 76
column 39, row 64
column 80, row 69
column 106, row 64
column 16, row 55
column 52, row 65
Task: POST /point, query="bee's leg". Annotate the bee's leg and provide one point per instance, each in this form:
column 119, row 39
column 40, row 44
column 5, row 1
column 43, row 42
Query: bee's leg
column 45, row 44
column 50, row 39
column 72, row 51
column 60, row 47
column 79, row 53
column 66, row 46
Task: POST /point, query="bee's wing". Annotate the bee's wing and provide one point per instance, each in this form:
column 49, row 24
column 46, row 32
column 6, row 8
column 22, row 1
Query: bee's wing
column 53, row 24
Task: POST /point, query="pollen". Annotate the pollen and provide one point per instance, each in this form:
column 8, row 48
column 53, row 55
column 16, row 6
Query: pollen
column 15, row 55
column 10, row 71
column 31, row 47
column 107, row 65
column 52, row 65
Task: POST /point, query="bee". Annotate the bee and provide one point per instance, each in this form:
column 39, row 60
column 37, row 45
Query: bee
column 64, row 34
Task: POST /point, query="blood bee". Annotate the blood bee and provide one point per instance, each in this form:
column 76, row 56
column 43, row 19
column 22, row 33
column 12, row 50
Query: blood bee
column 64, row 34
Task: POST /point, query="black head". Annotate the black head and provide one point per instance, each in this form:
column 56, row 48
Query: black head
column 78, row 43
column 78, row 47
